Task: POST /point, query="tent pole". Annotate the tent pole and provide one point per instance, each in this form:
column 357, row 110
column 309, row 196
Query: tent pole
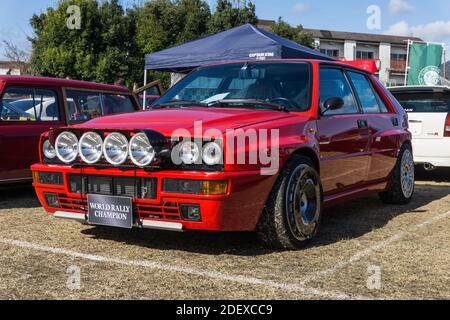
column 145, row 91
column 407, row 61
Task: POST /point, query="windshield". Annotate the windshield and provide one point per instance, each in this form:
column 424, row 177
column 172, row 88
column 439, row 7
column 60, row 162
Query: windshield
column 287, row 84
column 424, row 102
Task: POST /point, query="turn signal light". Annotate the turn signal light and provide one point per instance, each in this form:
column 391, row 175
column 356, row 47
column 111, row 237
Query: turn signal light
column 185, row 186
column 214, row 187
column 35, row 175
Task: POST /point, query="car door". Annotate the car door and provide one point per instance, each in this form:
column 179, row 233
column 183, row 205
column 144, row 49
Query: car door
column 381, row 124
column 25, row 113
column 343, row 135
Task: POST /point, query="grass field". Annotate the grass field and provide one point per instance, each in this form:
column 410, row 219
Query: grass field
column 365, row 250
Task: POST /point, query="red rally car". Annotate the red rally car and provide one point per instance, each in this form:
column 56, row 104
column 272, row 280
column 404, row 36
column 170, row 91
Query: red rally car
column 246, row 146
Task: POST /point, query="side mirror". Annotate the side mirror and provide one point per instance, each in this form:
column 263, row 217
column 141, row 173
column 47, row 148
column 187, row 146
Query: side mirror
column 334, row 103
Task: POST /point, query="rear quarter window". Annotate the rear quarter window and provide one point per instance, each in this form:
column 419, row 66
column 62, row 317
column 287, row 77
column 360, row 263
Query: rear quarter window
column 424, row 102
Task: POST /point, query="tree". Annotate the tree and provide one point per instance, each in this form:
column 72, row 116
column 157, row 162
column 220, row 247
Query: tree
column 297, row 34
column 18, row 57
column 227, row 16
column 102, row 50
column 164, row 23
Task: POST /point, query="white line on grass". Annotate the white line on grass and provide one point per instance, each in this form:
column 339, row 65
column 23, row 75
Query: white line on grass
column 366, row 252
column 190, row 271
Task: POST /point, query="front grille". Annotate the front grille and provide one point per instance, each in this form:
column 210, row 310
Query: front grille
column 70, row 203
column 144, row 188
column 100, row 185
column 169, row 211
column 166, row 211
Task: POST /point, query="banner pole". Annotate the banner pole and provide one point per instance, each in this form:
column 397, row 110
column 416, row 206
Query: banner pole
column 445, row 61
column 407, row 63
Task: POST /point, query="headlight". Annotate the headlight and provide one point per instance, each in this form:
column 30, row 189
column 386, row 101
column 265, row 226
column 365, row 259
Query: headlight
column 141, row 151
column 90, row 147
column 212, row 153
column 48, row 150
column 189, row 152
column 115, row 148
column 66, row 146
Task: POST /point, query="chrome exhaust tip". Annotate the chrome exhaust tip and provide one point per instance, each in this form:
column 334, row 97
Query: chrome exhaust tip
column 429, row 167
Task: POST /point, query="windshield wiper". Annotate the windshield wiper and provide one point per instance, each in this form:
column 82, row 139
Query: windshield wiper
column 247, row 102
column 179, row 103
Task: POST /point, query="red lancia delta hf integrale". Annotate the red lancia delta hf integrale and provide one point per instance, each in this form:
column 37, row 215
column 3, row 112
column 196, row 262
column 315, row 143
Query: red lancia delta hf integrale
column 251, row 146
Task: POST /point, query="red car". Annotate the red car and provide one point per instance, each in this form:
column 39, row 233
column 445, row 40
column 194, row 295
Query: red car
column 247, row 146
column 30, row 106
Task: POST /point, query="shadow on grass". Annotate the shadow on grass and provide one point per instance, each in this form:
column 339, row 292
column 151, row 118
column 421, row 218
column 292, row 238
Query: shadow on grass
column 18, row 196
column 347, row 221
column 437, row 175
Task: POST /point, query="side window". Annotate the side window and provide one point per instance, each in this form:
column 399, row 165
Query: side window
column 86, row 105
column 83, row 105
column 114, row 103
column 29, row 104
column 333, row 84
column 370, row 103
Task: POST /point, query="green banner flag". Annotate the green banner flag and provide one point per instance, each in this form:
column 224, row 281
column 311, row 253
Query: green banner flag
column 425, row 64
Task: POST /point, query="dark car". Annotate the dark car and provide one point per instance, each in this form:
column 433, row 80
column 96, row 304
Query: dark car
column 30, row 106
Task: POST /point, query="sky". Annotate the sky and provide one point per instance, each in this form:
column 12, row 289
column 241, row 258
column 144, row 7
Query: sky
column 429, row 20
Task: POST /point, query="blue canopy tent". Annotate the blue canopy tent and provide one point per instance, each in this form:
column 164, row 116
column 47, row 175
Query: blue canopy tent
column 246, row 42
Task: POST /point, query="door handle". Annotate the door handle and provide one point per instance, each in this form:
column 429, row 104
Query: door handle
column 394, row 121
column 362, row 124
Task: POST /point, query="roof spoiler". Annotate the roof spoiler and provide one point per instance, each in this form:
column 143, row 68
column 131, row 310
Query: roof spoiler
column 371, row 66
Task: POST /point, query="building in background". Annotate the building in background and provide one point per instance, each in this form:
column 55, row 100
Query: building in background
column 390, row 52
column 10, row 67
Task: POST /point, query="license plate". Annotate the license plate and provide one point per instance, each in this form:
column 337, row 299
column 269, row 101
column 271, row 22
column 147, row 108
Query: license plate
column 110, row 211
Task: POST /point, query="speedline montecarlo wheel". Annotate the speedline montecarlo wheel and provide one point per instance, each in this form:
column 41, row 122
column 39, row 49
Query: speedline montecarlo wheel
column 293, row 212
column 401, row 186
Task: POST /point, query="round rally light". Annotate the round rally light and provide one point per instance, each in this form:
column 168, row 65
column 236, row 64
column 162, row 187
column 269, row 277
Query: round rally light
column 115, row 148
column 66, row 146
column 141, row 151
column 48, row 150
column 189, row 152
column 90, row 147
column 212, row 154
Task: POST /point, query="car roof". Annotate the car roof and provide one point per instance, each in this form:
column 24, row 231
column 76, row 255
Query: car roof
column 417, row 89
column 61, row 83
column 314, row 61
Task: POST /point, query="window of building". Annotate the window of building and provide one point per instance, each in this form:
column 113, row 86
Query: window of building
column 398, row 56
column 364, row 55
column 330, row 52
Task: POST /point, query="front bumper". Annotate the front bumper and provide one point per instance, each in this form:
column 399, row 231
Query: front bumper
column 237, row 210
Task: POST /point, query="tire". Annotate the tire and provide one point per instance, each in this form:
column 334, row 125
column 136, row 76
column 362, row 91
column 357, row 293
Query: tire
column 401, row 186
column 291, row 217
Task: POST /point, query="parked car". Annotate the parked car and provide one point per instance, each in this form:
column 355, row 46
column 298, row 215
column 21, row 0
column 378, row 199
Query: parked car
column 429, row 121
column 149, row 93
column 331, row 131
column 30, row 106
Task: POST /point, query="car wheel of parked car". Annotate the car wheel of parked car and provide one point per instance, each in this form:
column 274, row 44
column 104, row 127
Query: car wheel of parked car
column 293, row 212
column 401, row 188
